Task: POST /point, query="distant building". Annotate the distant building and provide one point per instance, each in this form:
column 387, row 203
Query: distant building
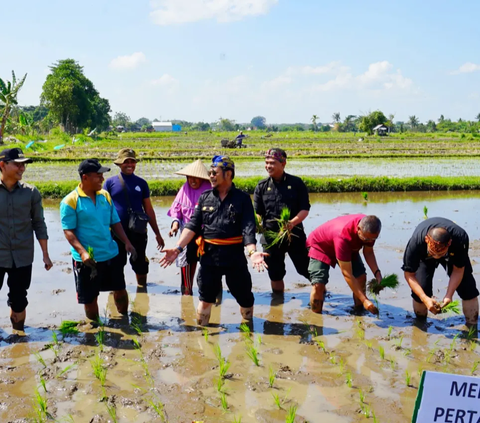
column 166, row 127
column 380, row 130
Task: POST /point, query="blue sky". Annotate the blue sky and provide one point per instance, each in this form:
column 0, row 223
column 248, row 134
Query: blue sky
column 200, row 60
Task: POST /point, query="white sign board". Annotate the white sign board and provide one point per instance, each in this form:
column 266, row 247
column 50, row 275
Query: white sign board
column 447, row 398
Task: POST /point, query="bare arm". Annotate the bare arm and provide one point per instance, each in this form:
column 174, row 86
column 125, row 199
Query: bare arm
column 46, row 258
column 152, row 219
column 79, row 248
column 299, row 218
column 172, row 253
column 371, row 260
column 347, row 272
column 430, row 303
column 453, row 283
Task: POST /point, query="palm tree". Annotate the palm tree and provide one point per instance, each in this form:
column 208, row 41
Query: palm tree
column 413, row 121
column 8, row 99
column 442, row 118
column 314, row 122
column 478, row 117
column 336, row 117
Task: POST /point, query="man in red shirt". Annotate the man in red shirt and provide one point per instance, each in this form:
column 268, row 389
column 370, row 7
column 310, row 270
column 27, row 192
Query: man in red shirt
column 340, row 241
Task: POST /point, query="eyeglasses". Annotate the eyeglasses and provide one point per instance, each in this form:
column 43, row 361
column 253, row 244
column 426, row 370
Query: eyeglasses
column 212, row 172
column 18, row 165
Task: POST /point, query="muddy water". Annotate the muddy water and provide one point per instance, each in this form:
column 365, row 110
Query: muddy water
column 333, row 168
column 176, row 363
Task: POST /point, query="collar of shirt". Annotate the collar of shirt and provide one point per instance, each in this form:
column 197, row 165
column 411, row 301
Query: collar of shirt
column 282, row 179
column 18, row 184
column 217, row 194
column 81, row 192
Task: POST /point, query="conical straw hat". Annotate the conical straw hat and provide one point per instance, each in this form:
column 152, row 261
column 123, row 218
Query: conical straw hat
column 196, row 169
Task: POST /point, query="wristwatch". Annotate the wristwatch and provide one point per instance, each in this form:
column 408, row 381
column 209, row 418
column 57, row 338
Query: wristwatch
column 180, row 249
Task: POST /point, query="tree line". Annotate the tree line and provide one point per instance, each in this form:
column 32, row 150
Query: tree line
column 70, row 100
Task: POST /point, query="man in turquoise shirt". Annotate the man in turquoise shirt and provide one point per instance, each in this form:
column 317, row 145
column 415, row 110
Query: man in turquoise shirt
column 88, row 216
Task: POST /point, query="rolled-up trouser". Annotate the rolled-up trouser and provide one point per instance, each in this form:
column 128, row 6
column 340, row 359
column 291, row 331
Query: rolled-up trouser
column 18, row 281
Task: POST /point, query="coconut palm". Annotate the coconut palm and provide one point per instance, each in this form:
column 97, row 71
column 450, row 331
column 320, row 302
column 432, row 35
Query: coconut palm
column 413, row 121
column 8, row 99
column 336, row 117
column 478, row 117
column 314, row 122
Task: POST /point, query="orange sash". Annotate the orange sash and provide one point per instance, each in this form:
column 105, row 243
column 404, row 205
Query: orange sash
column 200, row 241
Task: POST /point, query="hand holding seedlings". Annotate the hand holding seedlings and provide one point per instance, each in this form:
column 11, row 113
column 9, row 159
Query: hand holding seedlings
column 432, row 305
column 449, row 306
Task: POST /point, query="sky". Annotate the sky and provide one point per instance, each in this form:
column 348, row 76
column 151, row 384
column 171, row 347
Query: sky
column 286, row 60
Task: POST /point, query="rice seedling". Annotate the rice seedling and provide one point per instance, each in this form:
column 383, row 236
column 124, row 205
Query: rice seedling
column 369, row 344
column 100, row 337
column 472, row 331
column 408, row 378
column 55, row 340
column 258, row 224
column 365, row 410
column 291, row 414
column 333, row 359
column 259, row 339
column 219, row 384
column 474, row 367
column 272, row 375
column 398, row 342
column 341, row 363
column 381, row 351
column 65, row 370
column 284, row 233
column 43, row 383
column 471, row 346
column 68, row 327
column 40, row 408
column 389, row 333
column 277, row 400
column 224, row 365
column 158, row 407
column 252, row 353
column 112, row 411
column 389, row 281
column 93, row 270
column 425, row 212
column 430, row 354
column 246, row 331
column 135, row 325
column 237, row 419
column 374, row 417
column 348, row 379
column 419, row 372
column 320, row 344
column 223, row 401
column 365, row 196
column 99, row 370
column 452, row 307
column 205, row 334
column 407, row 352
column 40, row 359
column 361, row 397
column 393, row 363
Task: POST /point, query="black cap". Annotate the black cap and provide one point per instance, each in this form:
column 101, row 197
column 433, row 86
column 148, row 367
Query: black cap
column 91, row 165
column 14, row 155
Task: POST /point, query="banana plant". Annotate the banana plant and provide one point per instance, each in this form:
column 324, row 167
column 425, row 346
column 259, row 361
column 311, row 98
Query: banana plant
column 8, row 99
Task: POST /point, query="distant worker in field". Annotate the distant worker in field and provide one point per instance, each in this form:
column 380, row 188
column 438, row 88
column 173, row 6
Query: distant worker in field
column 224, row 222
column 21, row 215
column 440, row 241
column 88, row 218
column 340, row 241
column 239, row 139
column 131, row 197
column 181, row 212
column 271, row 195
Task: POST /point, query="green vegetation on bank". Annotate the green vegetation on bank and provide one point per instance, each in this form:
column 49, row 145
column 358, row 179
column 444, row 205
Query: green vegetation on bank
column 314, row 185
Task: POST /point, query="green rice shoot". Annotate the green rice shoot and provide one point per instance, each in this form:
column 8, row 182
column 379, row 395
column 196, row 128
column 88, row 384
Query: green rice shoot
column 68, row 327
column 389, row 281
column 453, row 307
column 283, row 234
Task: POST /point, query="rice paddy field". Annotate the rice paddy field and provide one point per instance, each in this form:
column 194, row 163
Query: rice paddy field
column 288, row 365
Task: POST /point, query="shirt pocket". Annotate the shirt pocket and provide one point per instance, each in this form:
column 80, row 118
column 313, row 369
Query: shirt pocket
column 209, row 212
column 270, row 201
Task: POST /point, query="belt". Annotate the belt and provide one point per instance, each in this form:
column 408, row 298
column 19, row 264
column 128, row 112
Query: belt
column 200, row 241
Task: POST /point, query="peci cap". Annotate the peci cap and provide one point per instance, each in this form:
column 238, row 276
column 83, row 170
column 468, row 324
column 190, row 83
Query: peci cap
column 14, row 155
column 125, row 154
column 196, row 169
column 91, row 166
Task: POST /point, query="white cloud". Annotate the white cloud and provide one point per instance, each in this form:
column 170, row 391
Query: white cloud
column 332, row 67
column 277, row 82
column 168, row 12
column 165, row 80
column 468, row 67
column 128, row 62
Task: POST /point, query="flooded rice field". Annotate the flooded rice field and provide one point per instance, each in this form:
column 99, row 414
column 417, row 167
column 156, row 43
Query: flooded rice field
column 157, row 365
column 334, row 168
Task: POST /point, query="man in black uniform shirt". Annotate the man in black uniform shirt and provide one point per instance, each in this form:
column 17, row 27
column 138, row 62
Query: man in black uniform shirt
column 225, row 222
column 271, row 195
column 440, row 241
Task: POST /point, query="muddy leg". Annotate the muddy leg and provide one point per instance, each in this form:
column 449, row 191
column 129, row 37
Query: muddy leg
column 18, row 319
column 470, row 310
column 420, row 310
column 317, row 297
column 121, row 301
column 203, row 313
column 278, row 287
column 247, row 312
column 142, row 280
column 357, row 304
column 91, row 310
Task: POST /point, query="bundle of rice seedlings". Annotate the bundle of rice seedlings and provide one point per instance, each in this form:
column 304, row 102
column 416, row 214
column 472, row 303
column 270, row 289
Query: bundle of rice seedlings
column 258, row 224
column 453, row 307
column 283, row 232
column 93, row 272
column 389, row 281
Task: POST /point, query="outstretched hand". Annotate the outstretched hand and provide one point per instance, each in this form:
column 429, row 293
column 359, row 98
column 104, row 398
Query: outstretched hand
column 170, row 255
column 258, row 261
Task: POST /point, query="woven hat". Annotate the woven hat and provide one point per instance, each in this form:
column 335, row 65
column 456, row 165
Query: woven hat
column 125, row 154
column 196, row 169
